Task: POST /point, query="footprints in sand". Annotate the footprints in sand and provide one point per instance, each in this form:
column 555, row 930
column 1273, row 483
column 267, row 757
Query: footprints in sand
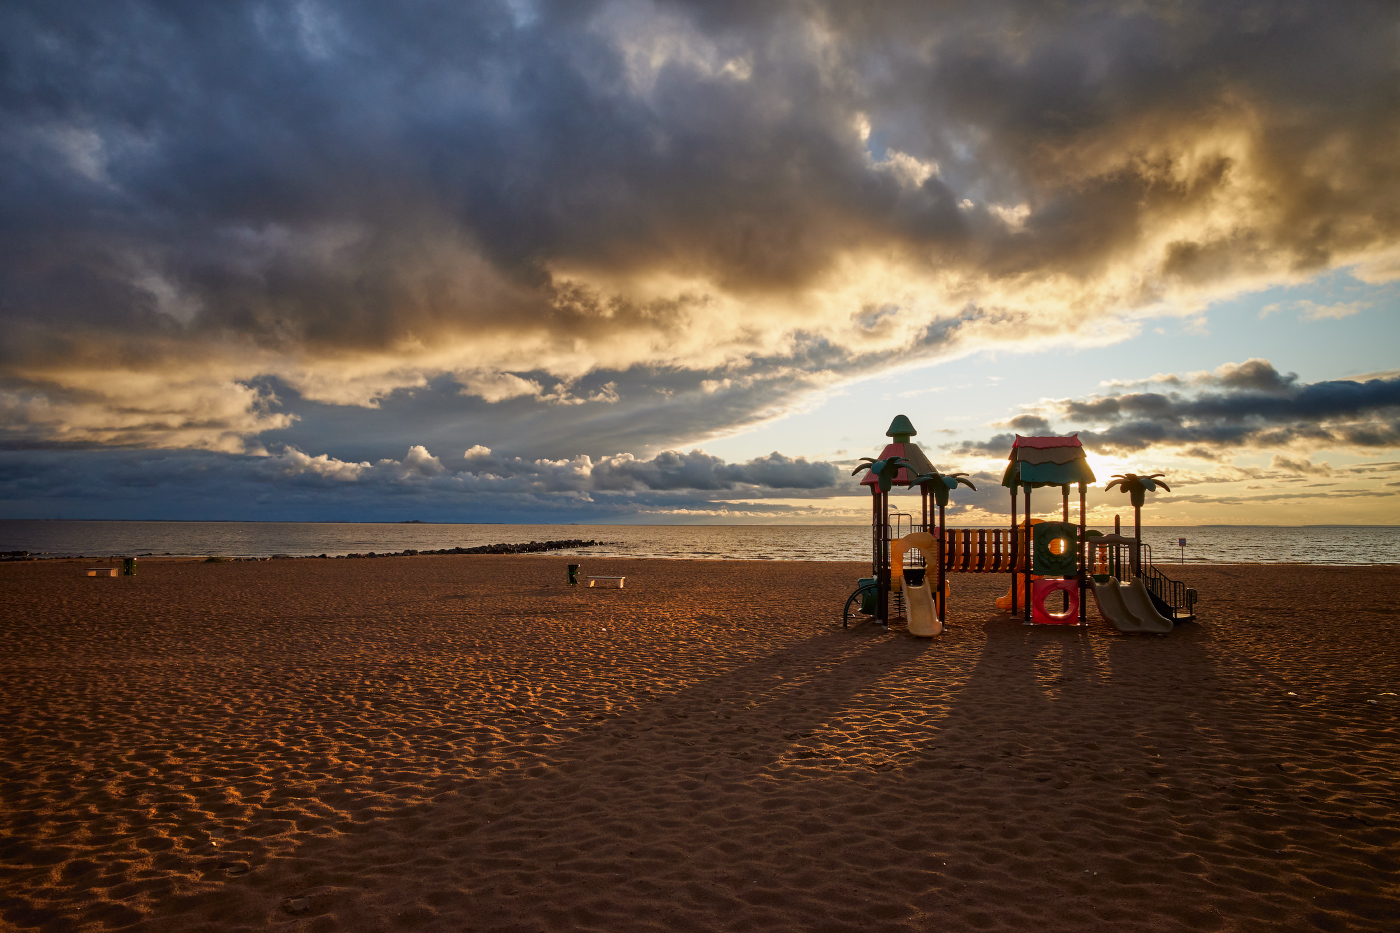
column 311, row 750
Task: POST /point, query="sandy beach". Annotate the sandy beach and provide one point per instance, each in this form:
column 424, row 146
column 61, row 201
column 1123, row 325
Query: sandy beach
column 466, row 743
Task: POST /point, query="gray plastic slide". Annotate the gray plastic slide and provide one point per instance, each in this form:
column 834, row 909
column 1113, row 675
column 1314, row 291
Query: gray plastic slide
column 1122, row 606
column 1139, row 603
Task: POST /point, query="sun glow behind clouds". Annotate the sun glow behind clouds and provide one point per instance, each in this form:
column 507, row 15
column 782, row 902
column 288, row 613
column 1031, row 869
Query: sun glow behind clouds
column 643, row 224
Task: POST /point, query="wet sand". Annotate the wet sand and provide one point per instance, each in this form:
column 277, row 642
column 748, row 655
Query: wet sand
column 465, row 743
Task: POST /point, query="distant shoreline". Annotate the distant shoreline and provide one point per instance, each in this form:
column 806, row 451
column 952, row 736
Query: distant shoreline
column 1345, row 545
column 1165, row 565
column 334, row 521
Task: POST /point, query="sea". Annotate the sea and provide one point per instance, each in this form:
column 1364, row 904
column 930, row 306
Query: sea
column 1216, row 544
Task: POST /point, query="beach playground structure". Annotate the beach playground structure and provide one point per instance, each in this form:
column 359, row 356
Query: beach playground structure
column 1049, row 562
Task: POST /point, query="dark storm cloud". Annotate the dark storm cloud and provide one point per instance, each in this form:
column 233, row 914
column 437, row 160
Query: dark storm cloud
column 668, row 215
column 481, row 486
column 1237, row 407
column 1029, row 424
column 699, row 470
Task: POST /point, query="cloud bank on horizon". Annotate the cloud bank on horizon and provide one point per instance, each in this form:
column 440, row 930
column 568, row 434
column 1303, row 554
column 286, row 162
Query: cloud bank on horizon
column 1205, row 416
column 564, row 230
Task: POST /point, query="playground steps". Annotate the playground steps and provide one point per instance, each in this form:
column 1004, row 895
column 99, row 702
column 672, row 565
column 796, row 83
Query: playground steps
column 1172, row 598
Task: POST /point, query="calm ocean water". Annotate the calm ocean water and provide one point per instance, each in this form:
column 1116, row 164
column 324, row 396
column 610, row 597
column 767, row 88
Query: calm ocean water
column 1318, row 544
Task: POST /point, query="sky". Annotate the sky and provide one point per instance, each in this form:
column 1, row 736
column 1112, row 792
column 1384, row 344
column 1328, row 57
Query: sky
column 618, row 262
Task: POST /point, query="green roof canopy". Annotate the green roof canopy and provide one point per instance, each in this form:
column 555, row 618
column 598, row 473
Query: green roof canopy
column 1047, row 474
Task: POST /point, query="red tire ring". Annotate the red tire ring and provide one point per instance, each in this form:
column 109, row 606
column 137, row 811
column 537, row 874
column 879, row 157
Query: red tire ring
column 1043, row 588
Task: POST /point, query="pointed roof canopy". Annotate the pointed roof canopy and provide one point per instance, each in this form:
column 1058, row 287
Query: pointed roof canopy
column 1047, row 461
column 901, row 429
column 1044, row 443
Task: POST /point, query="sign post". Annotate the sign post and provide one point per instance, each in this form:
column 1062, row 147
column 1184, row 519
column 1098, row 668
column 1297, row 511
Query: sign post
column 1181, row 543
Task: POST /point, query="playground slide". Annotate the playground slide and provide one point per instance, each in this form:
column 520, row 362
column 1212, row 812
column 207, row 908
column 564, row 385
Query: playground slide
column 920, row 611
column 1110, row 602
column 1004, row 602
column 1139, row 603
column 924, row 542
column 1119, row 605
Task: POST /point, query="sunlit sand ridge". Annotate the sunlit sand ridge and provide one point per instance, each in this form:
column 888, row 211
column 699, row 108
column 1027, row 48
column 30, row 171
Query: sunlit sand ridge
column 465, row 743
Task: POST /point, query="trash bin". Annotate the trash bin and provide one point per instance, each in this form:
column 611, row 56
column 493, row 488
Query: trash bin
column 128, row 566
column 573, row 574
column 868, row 599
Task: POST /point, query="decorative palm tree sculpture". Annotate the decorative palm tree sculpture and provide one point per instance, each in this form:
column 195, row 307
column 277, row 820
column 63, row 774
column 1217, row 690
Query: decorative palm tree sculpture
column 1137, row 488
column 941, row 484
column 886, row 470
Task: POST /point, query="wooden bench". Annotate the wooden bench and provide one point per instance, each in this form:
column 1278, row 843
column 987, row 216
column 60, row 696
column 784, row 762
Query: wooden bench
column 593, row 580
column 102, row 571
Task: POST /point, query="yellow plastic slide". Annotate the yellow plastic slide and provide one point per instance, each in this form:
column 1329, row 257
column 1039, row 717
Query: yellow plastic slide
column 1004, row 602
column 920, row 611
column 918, row 600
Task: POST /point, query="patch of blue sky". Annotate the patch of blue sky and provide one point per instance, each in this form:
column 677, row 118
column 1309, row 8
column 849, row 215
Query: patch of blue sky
column 1333, row 326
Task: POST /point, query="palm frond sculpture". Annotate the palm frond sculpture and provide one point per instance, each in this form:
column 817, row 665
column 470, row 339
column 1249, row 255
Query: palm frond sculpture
column 941, row 484
column 1137, row 487
column 886, row 470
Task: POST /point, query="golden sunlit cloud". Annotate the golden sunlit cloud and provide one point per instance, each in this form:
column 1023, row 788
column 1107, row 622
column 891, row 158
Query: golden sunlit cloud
column 634, row 225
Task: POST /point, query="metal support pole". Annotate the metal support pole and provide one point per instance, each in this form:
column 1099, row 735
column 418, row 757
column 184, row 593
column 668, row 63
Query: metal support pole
column 1137, row 539
column 1117, row 568
column 942, row 539
column 889, row 571
column 1030, row 556
column 877, row 545
column 1013, row 551
column 1084, row 567
column 885, row 558
column 1064, row 517
column 874, row 532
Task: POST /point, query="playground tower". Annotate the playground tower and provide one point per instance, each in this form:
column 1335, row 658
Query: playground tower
column 1050, row 549
column 1049, row 461
column 900, row 431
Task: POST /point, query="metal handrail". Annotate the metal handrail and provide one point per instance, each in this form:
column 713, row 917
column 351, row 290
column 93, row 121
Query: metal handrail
column 1176, row 595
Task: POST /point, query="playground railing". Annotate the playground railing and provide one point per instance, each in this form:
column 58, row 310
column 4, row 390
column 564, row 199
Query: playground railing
column 1180, row 597
column 967, row 550
column 1175, row 595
